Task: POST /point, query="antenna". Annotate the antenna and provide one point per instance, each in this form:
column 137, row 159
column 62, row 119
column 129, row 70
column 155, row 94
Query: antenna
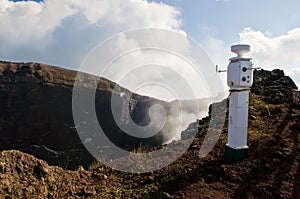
column 220, row 71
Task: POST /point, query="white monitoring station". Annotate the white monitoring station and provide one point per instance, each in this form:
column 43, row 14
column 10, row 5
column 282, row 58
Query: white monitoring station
column 239, row 79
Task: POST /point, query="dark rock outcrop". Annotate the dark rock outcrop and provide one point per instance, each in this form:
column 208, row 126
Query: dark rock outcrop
column 36, row 113
column 273, row 86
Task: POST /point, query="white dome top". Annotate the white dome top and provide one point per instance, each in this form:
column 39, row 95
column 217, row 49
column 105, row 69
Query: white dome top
column 240, row 49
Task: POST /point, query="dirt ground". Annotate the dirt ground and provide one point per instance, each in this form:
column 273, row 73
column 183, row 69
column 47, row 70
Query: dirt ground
column 271, row 171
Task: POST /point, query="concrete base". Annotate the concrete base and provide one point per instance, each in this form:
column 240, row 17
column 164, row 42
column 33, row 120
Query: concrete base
column 235, row 155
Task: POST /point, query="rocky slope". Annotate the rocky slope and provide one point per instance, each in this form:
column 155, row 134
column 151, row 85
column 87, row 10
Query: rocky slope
column 36, row 113
column 273, row 86
column 271, row 171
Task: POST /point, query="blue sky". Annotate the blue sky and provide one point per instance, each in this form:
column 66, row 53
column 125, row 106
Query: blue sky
column 62, row 32
column 228, row 18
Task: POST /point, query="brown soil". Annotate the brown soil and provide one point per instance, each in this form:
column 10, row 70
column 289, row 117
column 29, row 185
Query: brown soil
column 271, row 171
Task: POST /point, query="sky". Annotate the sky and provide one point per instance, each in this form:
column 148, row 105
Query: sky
column 63, row 32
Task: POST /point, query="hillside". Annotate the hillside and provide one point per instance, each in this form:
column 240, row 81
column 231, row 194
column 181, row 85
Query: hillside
column 36, row 113
column 272, row 170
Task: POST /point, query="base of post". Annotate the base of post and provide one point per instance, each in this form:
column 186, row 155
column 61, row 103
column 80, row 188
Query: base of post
column 235, row 155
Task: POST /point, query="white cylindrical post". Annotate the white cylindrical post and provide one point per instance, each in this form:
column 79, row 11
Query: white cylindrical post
column 239, row 79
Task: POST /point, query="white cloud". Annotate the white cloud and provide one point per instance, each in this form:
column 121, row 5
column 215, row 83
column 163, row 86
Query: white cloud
column 175, row 61
column 275, row 52
column 63, row 31
column 24, row 22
